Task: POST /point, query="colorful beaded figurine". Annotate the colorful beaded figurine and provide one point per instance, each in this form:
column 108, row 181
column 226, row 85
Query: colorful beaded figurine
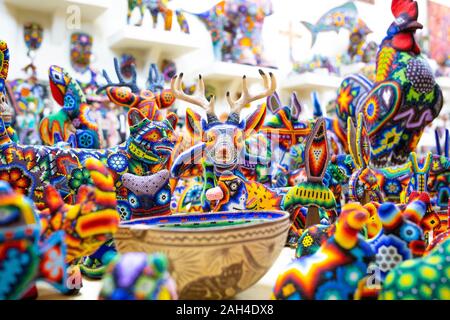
column 80, row 51
column 439, row 177
column 142, row 187
column 444, row 232
column 312, row 193
column 344, row 16
column 74, row 123
column 155, row 80
column 91, row 221
column 138, row 276
column 359, row 50
column 222, row 143
column 405, row 97
column 157, row 7
column 363, row 184
column 5, row 109
column 33, row 35
column 215, row 22
column 233, row 37
column 31, row 168
column 314, row 237
column 420, row 279
column 127, row 65
column 247, row 41
column 127, row 94
column 334, row 270
column 400, row 238
column 168, row 69
column 28, row 94
column 23, row 258
column 288, row 135
column 420, row 173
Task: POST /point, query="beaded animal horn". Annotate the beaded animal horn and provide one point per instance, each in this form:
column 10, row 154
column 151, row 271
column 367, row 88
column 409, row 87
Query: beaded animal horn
column 270, row 84
column 199, row 98
column 132, row 83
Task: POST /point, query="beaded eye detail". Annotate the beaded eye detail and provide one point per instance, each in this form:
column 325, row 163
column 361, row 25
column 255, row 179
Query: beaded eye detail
column 399, row 20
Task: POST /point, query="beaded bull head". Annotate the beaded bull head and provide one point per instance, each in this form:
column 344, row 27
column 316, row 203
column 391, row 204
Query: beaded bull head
column 222, row 143
column 150, row 145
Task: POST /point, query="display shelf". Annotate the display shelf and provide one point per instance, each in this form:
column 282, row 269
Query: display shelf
column 262, row 290
column 90, row 9
column 219, row 71
column 311, row 81
column 171, row 44
column 35, row 5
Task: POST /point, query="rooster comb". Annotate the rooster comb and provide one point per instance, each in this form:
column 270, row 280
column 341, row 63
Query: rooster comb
column 409, row 7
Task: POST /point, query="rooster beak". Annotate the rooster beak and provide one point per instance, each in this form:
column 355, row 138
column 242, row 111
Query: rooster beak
column 414, row 25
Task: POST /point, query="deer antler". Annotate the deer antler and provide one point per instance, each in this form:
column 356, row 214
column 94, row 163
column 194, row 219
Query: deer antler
column 198, row 98
column 155, row 80
column 245, row 98
column 132, row 84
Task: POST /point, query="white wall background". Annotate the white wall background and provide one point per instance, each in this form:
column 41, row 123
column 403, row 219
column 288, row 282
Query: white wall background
column 55, row 47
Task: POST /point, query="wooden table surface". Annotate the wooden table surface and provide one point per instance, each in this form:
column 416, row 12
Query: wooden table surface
column 260, row 291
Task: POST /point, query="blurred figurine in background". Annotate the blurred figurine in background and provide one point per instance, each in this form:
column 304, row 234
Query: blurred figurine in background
column 359, row 49
column 157, row 7
column 405, row 97
column 6, row 112
column 343, row 16
column 236, row 27
column 138, row 276
column 168, row 69
column 80, row 51
column 110, row 126
column 247, row 18
column 28, row 95
column 24, row 258
column 127, row 63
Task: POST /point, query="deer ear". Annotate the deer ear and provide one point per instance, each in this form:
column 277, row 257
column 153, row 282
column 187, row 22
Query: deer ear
column 135, row 117
column 193, row 123
column 273, row 102
column 296, row 107
column 316, row 104
column 351, row 140
column 255, row 120
column 172, row 118
column 363, row 143
column 122, row 96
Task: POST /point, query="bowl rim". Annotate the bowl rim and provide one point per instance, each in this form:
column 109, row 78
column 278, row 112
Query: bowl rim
column 142, row 227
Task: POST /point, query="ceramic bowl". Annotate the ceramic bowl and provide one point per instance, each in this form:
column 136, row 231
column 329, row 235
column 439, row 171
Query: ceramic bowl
column 211, row 255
